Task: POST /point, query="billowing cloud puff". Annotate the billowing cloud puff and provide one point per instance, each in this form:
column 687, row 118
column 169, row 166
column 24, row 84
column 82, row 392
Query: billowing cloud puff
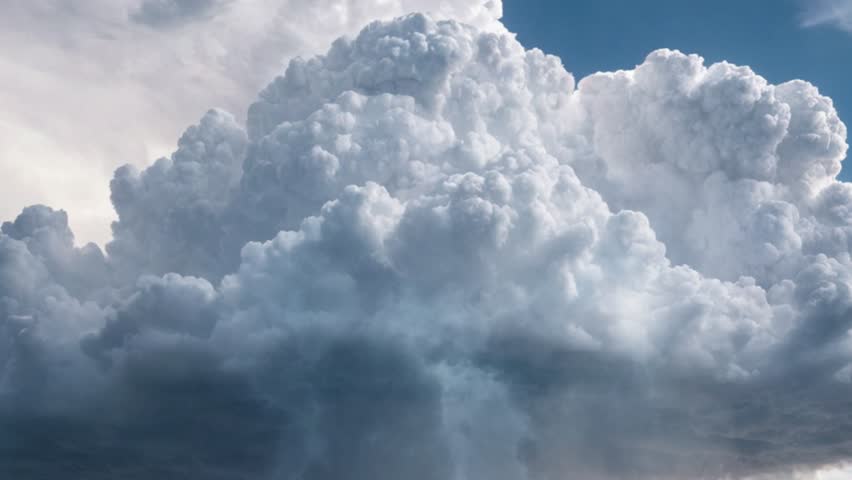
column 430, row 255
column 136, row 72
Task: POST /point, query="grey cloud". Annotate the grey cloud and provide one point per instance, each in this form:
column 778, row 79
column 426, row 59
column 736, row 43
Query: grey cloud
column 49, row 240
column 171, row 214
column 165, row 13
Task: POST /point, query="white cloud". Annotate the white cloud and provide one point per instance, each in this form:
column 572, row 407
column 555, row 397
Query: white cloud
column 429, row 254
column 93, row 84
column 834, row 474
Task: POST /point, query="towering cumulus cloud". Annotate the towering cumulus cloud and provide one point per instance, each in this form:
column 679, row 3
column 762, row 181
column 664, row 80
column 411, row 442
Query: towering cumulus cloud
column 430, row 255
column 138, row 71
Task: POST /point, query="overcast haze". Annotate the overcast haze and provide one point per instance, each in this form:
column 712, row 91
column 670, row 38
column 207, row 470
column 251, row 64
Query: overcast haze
column 354, row 241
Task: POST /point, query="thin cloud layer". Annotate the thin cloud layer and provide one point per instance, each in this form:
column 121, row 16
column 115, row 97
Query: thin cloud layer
column 430, row 255
column 164, row 13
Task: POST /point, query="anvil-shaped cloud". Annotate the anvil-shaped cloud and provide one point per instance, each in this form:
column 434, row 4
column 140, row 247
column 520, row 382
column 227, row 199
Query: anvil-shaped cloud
column 430, row 255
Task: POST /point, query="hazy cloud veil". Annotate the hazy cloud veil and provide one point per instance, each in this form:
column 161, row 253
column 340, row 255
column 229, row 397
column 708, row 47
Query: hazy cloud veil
column 428, row 254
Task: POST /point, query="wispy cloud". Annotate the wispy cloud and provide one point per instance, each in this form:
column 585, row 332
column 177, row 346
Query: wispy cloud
column 834, row 13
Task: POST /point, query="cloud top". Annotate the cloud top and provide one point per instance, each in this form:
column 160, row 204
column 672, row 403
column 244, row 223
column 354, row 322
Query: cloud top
column 138, row 71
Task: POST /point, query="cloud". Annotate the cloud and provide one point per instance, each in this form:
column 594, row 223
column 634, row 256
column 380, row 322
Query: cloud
column 835, row 13
column 430, row 253
column 69, row 71
column 158, row 13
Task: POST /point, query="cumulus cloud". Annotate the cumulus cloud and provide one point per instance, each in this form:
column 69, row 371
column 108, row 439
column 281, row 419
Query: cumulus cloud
column 429, row 253
column 70, row 70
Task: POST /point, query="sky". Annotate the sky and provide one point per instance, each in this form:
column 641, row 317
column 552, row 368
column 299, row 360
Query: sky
column 351, row 240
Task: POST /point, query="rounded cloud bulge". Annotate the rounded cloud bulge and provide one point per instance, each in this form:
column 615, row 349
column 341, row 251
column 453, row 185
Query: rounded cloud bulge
column 89, row 85
column 429, row 253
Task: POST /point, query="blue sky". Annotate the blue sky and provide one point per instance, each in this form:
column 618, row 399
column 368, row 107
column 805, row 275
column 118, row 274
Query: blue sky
column 765, row 34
